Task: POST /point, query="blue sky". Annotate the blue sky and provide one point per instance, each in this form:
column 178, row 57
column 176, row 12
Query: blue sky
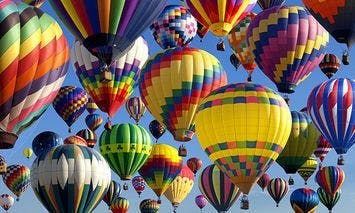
column 259, row 201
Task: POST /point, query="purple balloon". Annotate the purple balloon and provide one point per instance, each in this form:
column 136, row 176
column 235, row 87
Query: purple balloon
column 201, row 201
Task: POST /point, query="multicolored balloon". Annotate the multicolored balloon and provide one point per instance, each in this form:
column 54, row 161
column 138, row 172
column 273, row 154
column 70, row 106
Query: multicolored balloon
column 220, row 192
column 120, row 205
column 243, row 155
column 93, row 121
column 70, row 103
column 330, row 105
column 149, row 206
column 91, row 106
column 161, row 168
column 201, row 201
column 108, row 28
column 135, row 108
column 110, row 96
column 277, row 189
column 81, row 192
column 263, row 181
column 114, row 191
column 194, row 164
column 34, row 63
column 308, row 168
column 304, row 200
column 89, row 136
column 220, row 17
column 138, row 184
column 266, row 4
column 74, row 139
column 174, row 27
column 330, row 179
column 6, row 201
column 322, row 149
column 287, row 63
column 45, row 141
column 156, row 129
column 35, row 3
column 3, row 165
column 328, row 200
column 174, row 82
column 27, row 152
column 329, row 65
column 17, row 179
column 126, row 147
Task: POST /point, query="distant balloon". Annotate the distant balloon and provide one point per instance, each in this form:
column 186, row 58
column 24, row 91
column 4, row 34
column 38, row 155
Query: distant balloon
column 201, row 201
column 234, row 61
column 201, row 30
column 304, row 200
column 263, row 181
column 194, row 164
column 330, row 65
column 135, row 108
column 308, row 168
column 277, row 189
column 322, row 149
column 149, row 206
column 93, row 121
column 45, row 141
column 156, row 129
column 3, row 165
column 328, row 200
column 17, row 179
column 266, row 4
column 112, row 193
column 6, row 201
column 77, row 140
column 89, row 136
column 91, row 106
column 120, row 205
column 138, row 184
column 330, row 179
column 27, row 152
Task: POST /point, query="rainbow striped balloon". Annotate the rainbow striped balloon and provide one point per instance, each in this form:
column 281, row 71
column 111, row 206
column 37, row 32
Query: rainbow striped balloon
column 120, row 205
column 17, row 179
column 287, row 43
column 330, row 178
column 304, row 200
column 33, row 64
column 277, row 188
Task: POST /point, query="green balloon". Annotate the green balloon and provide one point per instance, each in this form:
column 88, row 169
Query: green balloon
column 125, row 147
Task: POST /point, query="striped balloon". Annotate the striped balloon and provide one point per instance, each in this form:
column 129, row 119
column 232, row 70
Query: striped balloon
column 304, row 200
column 162, row 167
column 93, row 121
column 149, row 206
column 114, row 190
column 288, row 44
column 64, row 182
column 308, row 168
column 33, row 65
column 331, row 106
column 263, row 181
column 156, row 129
column 330, row 178
column 91, row 106
column 138, row 184
column 126, row 147
column 220, row 16
column 266, row 4
column 70, row 103
column 174, row 82
column 194, row 164
column 107, row 28
column 277, row 189
column 323, row 147
column 135, row 108
column 201, row 201
column 120, row 205
column 6, row 201
column 125, row 70
column 175, row 27
column 328, row 200
column 35, row 3
column 220, row 192
column 89, row 136
column 74, row 139
column 329, row 65
column 17, row 179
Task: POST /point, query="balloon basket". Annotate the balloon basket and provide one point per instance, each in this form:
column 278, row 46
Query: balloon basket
column 221, row 46
column 346, row 58
column 182, row 151
column 341, row 160
column 244, row 204
column 291, row 182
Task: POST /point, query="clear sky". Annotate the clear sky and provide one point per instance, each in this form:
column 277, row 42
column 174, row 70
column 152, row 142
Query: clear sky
column 259, row 201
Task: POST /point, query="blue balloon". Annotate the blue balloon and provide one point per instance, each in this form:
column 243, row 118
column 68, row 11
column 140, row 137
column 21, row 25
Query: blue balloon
column 45, row 141
column 304, row 200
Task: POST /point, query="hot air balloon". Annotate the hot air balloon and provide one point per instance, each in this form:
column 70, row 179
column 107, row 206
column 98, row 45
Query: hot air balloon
column 17, row 179
column 300, row 145
column 337, row 18
column 6, row 201
column 126, row 147
column 287, row 43
column 33, row 62
column 91, row 106
column 201, row 30
column 149, row 206
column 329, row 65
column 135, row 108
column 330, row 105
column 304, row 200
column 93, row 121
column 89, row 136
column 27, row 152
column 110, row 96
column 156, row 129
column 235, row 124
column 112, row 193
column 328, row 200
column 201, row 201
column 194, row 164
column 263, row 181
column 45, row 141
column 330, row 179
column 220, row 192
column 174, row 82
column 120, row 205
column 70, row 103
column 220, row 17
column 64, row 181
column 174, row 27
column 180, row 188
column 234, row 61
column 277, row 189
column 323, row 147
column 77, row 140
column 237, row 38
column 35, row 3
column 308, row 168
column 3, row 165
column 161, row 168
column 138, row 184
column 266, row 4
column 107, row 29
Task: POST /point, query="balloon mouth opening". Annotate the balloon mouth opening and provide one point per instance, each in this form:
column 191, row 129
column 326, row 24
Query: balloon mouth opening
column 183, row 135
column 7, row 140
column 286, row 88
column 221, row 29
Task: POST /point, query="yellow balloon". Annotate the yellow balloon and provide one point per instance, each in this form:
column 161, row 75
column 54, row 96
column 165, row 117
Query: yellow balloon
column 243, row 127
column 27, row 152
column 308, row 168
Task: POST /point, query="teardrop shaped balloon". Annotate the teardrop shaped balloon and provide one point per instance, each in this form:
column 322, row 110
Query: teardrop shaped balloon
column 330, row 65
column 328, row 200
column 138, row 184
column 235, row 124
column 330, row 178
column 93, row 121
column 120, row 205
column 308, row 168
column 263, row 181
column 149, row 206
column 266, row 4
column 6, row 201
column 323, row 147
column 201, row 201
column 156, row 129
column 91, row 106
column 27, row 152
column 45, row 141
column 17, row 179
column 304, row 200
column 234, row 61
column 194, row 164
column 135, row 108
column 112, row 193
column 277, row 189
column 89, row 136
column 288, row 44
column 174, row 82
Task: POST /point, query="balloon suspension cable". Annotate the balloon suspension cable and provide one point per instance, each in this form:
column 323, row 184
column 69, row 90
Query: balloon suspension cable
column 69, row 129
column 244, row 202
column 159, row 200
column 346, row 57
column 286, row 98
column 320, row 165
column 277, row 204
column 341, row 160
column 249, row 79
column 108, row 125
column 305, row 183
